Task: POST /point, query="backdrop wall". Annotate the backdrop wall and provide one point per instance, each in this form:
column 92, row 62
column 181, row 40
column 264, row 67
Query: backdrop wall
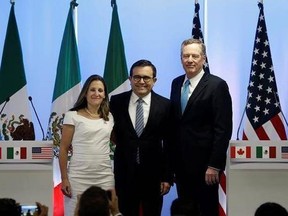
column 153, row 30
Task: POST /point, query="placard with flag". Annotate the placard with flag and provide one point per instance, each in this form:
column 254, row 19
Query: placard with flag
column 247, row 151
column 66, row 90
column 41, row 152
column 284, row 152
column 16, row 119
column 24, row 152
column 240, row 152
column 265, row 151
column 15, row 153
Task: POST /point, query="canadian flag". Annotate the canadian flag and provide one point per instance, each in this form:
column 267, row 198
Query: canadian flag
column 240, row 152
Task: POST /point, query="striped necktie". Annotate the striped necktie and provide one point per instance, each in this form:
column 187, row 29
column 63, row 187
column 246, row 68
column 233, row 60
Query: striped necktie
column 139, row 124
column 185, row 95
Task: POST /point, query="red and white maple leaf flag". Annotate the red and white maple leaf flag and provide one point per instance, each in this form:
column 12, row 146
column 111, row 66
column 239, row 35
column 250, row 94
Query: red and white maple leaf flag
column 240, row 152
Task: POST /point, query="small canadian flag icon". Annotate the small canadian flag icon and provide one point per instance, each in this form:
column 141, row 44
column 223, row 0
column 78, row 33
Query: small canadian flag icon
column 240, row 152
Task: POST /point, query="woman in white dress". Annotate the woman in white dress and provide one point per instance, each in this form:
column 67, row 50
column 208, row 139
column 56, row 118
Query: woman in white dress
column 87, row 129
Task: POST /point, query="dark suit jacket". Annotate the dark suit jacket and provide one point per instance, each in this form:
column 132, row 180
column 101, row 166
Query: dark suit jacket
column 203, row 132
column 153, row 143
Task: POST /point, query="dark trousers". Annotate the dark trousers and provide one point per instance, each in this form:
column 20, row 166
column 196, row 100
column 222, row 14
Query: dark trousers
column 138, row 194
column 205, row 195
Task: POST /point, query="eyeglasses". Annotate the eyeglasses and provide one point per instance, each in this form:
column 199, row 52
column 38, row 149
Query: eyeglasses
column 194, row 56
column 146, row 79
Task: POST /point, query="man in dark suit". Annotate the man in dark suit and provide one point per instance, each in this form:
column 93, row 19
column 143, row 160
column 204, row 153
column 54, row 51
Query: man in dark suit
column 202, row 112
column 141, row 160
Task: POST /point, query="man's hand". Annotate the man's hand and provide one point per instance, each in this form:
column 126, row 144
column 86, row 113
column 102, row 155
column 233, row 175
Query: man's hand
column 212, row 176
column 165, row 188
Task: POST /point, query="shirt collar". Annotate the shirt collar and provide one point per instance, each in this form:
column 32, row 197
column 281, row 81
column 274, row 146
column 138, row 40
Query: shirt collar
column 146, row 99
column 195, row 79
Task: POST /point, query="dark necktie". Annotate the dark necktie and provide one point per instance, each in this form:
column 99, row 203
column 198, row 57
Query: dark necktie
column 185, row 95
column 139, row 123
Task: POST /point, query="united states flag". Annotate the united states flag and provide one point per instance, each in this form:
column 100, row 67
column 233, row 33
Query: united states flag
column 42, row 153
column 263, row 119
column 197, row 34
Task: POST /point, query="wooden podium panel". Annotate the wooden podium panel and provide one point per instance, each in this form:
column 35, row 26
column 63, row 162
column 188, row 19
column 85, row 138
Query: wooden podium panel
column 253, row 181
column 27, row 181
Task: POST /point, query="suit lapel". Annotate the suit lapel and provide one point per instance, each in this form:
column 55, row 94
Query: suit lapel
column 152, row 112
column 178, row 86
column 199, row 88
column 126, row 102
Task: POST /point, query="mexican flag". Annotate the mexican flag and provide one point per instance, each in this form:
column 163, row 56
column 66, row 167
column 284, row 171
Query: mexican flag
column 115, row 72
column 66, row 90
column 16, row 153
column 265, row 151
column 15, row 114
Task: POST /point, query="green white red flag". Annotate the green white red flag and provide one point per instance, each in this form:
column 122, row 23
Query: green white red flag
column 66, row 90
column 15, row 114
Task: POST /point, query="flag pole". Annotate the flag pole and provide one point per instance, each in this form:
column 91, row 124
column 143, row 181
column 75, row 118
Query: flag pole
column 205, row 35
column 113, row 2
column 75, row 17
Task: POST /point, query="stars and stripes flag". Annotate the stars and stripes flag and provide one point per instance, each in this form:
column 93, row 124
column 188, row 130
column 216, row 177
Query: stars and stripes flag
column 284, row 152
column 42, row 152
column 197, row 34
column 263, row 117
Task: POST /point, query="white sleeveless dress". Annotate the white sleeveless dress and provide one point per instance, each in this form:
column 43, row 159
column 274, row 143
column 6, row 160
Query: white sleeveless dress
column 90, row 163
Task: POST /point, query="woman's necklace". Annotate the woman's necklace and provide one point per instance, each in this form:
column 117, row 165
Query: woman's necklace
column 92, row 114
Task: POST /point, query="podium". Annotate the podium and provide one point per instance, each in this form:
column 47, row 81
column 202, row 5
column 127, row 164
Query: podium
column 26, row 172
column 257, row 172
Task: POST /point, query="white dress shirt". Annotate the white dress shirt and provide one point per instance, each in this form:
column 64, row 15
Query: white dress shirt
column 193, row 82
column 133, row 105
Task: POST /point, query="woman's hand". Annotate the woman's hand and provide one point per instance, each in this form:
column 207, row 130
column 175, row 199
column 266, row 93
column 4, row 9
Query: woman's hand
column 66, row 188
